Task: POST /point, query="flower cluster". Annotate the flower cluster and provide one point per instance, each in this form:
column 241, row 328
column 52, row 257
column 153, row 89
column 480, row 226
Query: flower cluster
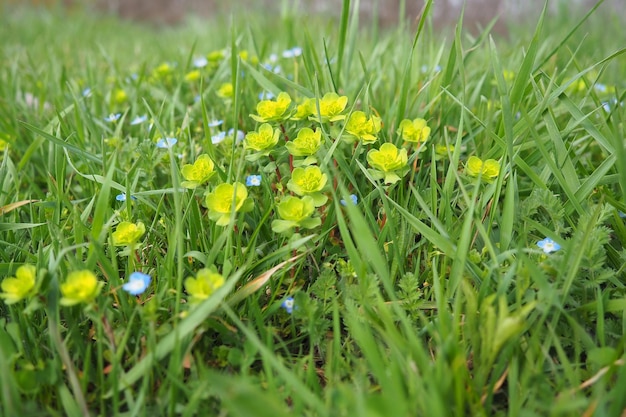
column 227, row 199
column 414, row 131
column 389, row 162
column 80, row 287
column 206, row 282
column 198, row 173
column 488, row 170
column 127, row 233
column 15, row 289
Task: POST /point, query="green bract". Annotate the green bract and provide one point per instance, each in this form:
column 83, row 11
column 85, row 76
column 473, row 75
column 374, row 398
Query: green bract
column 309, row 181
column 270, row 110
column 21, row 286
column 225, row 199
column 262, row 140
column 295, row 212
column 362, row 127
column 388, row 162
column 306, row 143
column 198, row 173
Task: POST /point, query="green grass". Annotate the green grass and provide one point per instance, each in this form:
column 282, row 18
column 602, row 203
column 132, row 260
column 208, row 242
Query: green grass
column 429, row 296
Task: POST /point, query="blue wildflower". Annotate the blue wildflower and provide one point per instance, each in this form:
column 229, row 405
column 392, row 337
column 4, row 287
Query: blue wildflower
column 215, row 123
column 138, row 120
column 166, row 143
column 137, row 283
column 215, row 139
column 266, row 95
column 293, row 52
column 113, row 117
column 122, row 197
column 353, row 199
column 200, row 62
column 548, row 245
column 288, row 304
column 239, row 134
column 253, row 180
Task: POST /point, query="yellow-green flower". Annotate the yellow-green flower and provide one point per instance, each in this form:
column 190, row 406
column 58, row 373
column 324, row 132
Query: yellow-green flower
column 295, row 212
column 119, row 96
column 216, row 56
column 330, row 108
column 198, row 173
column 21, row 286
column 488, row 169
column 362, row 127
column 307, row 143
column 389, row 162
column 309, row 181
column 305, row 109
column 80, row 287
column 273, row 110
column 127, row 233
column 4, row 145
column 225, row 199
column 203, row 285
column 245, row 56
column 262, row 140
column 192, row 76
column 442, row 150
column 414, row 131
column 225, row 90
column 162, row 71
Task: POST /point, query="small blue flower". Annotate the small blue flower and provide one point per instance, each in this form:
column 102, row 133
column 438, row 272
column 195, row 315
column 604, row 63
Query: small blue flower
column 266, row 95
column 273, row 58
column 353, row 199
column 87, row 92
column 166, row 143
column 122, row 197
column 621, row 214
column 137, row 283
column 609, row 105
column 113, row 117
column 601, row 88
column 288, row 304
column 215, row 123
column 215, row 139
column 271, row 68
column 548, row 245
column 200, row 62
column 253, row 180
column 138, row 120
column 293, row 52
column 239, row 133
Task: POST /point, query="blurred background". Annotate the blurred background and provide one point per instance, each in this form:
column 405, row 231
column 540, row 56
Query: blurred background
column 478, row 13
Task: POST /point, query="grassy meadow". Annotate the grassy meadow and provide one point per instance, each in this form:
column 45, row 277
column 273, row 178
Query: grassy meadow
column 275, row 215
